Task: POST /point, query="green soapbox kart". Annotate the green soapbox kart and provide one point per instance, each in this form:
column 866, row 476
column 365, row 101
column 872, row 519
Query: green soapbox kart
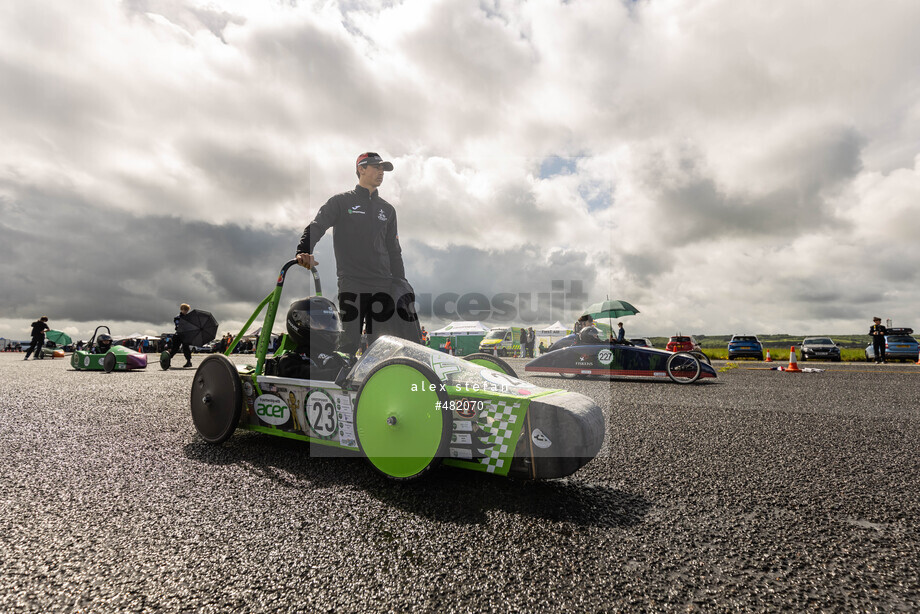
column 117, row 358
column 403, row 406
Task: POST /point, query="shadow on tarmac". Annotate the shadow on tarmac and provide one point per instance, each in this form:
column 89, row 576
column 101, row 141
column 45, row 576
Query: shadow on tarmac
column 448, row 495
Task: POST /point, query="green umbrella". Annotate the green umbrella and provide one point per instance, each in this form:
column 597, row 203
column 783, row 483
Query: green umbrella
column 58, row 337
column 611, row 309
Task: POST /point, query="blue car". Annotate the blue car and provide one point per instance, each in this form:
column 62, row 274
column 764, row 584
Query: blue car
column 745, row 346
column 899, row 345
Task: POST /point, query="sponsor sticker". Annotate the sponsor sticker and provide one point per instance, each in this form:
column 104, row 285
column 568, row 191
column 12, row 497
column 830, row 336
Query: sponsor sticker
column 506, row 383
column 272, row 410
column 539, row 439
column 322, row 413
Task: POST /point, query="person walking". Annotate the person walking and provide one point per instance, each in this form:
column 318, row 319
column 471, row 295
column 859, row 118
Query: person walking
column 39, row 327
column 367, row 252
column 877, row 332
column 177, row 343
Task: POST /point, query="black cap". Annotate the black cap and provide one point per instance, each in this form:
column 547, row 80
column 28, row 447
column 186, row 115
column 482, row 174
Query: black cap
column 373, row 158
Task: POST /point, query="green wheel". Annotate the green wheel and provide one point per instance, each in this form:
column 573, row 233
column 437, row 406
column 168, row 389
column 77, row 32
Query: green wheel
column 401, row 422
column 491, row 362
column 217, row 398
column 165, row 360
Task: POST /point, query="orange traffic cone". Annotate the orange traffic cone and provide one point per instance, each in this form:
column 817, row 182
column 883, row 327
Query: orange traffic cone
column 768, row 358
column 793, row 365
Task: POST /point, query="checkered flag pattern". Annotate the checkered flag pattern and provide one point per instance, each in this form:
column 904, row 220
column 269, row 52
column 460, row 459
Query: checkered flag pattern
column 497, row 419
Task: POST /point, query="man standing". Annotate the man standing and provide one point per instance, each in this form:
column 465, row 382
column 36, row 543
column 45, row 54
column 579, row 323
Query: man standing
column 39, row 327
column 621, row 333
column 367, row 251
column 177, row 343
column 878, row 332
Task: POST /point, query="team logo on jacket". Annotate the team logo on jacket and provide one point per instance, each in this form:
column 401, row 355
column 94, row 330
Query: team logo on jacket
column 382, row 216
column 355, row 209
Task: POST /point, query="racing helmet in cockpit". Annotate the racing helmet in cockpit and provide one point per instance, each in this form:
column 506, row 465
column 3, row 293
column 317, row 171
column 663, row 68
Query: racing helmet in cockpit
column 589, row 335
column 103, row 343
column 314, row 325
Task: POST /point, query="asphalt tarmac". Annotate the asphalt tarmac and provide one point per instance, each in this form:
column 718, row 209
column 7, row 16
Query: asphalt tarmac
column 759, row 491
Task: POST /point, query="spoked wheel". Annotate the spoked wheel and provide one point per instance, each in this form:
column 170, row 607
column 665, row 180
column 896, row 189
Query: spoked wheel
column 491, row 362
column 569, row 375
column 401, row 420
column 165, row 360
column 683, row 368
column 217, row 398
column 109, row 361
column 701, row 357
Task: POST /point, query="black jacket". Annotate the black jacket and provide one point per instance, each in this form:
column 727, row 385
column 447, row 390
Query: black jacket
column 39, row 328
column 364, row 234
column 877, row 332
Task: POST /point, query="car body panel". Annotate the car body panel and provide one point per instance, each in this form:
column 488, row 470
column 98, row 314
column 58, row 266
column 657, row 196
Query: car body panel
column 608, row 360
column 898, row 346
column 819, row 348
column 745, row 346
column 494, row 415
column 503, row 340
column 683, row 343
column 125, row 360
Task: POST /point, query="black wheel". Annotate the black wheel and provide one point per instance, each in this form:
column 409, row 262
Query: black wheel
column 491, row 362
column 217, row 398
column 804, row 357
column 683, row 368
column 730, row 357
column 165, row 360
column 867, row 357
column 701, row 357
column 108, row 363
column 402, row 423
column 761, row 358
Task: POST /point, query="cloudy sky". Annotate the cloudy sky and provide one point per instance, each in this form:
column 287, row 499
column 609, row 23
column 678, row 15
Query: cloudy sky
column 726, row 166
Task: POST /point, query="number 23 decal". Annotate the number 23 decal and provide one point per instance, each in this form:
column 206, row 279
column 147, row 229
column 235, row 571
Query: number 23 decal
column 321, row 414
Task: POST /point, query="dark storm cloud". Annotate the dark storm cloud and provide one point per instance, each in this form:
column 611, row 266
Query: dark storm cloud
column 542, row 285
column 71, row 259
column 248, row 172
column 697, row 209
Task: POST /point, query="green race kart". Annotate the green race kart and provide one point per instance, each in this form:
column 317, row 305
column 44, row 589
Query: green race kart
column 117, row 358
column 405, row 407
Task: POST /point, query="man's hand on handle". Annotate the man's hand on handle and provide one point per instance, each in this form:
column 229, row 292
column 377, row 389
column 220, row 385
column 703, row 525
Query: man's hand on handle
column 306, row 260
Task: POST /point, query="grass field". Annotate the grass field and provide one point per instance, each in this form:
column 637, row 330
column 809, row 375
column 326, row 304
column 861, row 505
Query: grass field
column 780, row 354
column 716, row 346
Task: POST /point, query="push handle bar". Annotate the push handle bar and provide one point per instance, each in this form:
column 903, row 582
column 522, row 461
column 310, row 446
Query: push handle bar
column 289, row 264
